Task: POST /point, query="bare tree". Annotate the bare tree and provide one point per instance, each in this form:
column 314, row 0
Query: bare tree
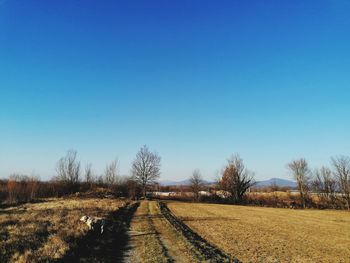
column 196, row 183
column 236, row 179
column 342, row 172
column 33, row 184
column 68, row 169
column 324, row 184
column 111, row 173
column 145, row 168
column 99, row 180
column 301, row 174
column 89, row 175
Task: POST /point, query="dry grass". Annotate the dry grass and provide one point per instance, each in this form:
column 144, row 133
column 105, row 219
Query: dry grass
column 255, row 234
column 155, row 239
column 46, row 231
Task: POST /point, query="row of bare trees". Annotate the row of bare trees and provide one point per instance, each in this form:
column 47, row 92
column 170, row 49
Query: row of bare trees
column 68, row 172
column 330, row 185
column 71, row 178
column 145, row 171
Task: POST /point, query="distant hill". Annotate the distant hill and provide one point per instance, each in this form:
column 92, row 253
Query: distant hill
column 276, row 181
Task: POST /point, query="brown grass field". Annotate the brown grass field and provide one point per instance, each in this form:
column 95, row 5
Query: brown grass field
column 142, row 232
column 45, row 231
column 256, row 234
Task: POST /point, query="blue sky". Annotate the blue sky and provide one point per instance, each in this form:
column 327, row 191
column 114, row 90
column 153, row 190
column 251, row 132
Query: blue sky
column 194, row 80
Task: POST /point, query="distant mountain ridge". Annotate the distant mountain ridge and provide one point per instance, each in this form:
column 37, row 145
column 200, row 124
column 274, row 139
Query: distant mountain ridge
column 273, row 181
column 276, row 181
column 177, row 183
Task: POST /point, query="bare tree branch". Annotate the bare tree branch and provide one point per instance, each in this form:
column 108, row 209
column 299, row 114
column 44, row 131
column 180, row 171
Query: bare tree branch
column 236, row 179
column 196, row 183
column 68, row 169
column 145, row 168
column 341, row 165
column 301, row 174
column 111, row 173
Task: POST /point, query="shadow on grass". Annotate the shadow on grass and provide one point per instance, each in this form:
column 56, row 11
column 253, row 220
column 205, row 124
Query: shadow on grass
column 110, row 246
column 22, row 241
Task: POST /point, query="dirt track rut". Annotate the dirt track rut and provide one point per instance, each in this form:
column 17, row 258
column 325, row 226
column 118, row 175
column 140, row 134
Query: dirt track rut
column 168, row 239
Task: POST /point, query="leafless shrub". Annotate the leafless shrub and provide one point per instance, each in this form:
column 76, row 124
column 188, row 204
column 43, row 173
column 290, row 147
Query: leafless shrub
column 196, row 183
column 68, row 170
column 89, row 175
column 133, row 189
column 236, row 179
column 3, row 190
column 324, row 184
column 111, row 174
column 22, row 188
column 341, row 165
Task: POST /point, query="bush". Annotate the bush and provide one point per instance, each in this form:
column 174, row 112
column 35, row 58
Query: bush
column 21, row 188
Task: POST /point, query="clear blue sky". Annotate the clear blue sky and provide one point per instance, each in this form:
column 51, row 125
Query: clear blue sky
column 194, row 80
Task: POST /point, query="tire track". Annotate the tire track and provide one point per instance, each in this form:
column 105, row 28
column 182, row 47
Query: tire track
column 169, row 259
column 178, row 248
column 210, row 252
column 146, row 241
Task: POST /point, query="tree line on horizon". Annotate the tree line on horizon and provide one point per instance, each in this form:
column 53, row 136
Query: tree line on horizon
column 71, row 178
column 330, row 185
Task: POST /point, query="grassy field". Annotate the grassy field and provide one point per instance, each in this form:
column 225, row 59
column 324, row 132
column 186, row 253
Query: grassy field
column 46, row 231
column 254, row 234
column 143, row 232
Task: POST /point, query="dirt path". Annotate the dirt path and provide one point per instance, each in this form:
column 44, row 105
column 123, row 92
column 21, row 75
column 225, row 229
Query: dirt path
column 145, row 240
column 155, row 240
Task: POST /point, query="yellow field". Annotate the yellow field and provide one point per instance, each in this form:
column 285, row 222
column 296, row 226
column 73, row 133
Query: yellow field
column 255, row 234
column 141, row 232
column 46, row 231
